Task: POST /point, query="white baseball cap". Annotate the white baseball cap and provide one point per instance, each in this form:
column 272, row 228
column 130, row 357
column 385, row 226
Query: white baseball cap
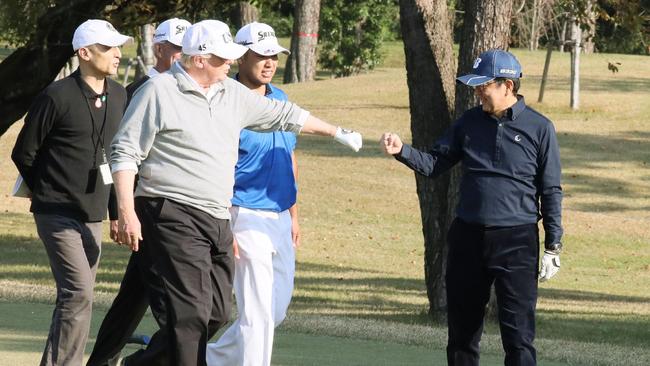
column 211, row 37
column 94, row 31
column 172, row 31
column 260, row 38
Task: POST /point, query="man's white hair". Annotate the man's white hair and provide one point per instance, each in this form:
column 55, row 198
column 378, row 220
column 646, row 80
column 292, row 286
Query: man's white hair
column 186, row 60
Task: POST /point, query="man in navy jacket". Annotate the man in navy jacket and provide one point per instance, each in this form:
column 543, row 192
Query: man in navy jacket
column 511, row 179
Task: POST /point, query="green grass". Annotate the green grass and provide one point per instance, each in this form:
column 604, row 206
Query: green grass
column 23, row 333
column 360, row 271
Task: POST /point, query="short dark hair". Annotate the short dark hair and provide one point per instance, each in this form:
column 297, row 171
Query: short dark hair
column 515, row 83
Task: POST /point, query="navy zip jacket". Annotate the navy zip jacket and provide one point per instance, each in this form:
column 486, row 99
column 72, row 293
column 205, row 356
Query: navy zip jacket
column 511, row 168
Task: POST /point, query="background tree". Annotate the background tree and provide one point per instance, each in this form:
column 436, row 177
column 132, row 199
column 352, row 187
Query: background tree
column 623, row 26
column 301, row 64
column 435, row 103
column 352, row 34
column 244, row 12
column 532, row 21
column 145, row 49
column 45, row 40
column 29, row 69
column 430, row 72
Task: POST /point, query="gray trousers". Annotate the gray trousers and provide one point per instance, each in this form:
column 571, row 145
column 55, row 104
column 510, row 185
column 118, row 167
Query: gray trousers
column 73, row 248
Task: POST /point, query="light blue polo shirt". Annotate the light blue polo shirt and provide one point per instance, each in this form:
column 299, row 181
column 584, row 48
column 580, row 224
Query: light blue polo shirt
column 264, row 173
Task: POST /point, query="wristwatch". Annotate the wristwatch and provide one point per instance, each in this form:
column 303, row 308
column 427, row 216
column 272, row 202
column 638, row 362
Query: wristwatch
column 555, row 248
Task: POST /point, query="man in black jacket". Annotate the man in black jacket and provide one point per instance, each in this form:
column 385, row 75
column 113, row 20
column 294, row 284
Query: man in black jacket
column 511, row 179
column 61, row 154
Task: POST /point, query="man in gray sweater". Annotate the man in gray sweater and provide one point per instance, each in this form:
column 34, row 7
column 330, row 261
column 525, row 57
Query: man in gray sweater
column 181, row 134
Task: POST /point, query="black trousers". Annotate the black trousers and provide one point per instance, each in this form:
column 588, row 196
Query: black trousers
column 478, row 257
column 127, row 310
column 191, row 292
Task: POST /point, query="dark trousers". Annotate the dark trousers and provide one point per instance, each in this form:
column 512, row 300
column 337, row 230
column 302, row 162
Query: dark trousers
column 73, row 248
column 191, row 254
column 478, row 257
column 126, row 311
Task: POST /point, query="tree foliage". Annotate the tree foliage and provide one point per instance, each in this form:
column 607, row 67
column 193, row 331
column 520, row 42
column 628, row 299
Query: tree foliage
column 18, row 19
column 351, row 34
column 623, row 26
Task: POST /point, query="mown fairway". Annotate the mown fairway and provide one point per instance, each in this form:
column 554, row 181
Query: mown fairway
column 359, row 271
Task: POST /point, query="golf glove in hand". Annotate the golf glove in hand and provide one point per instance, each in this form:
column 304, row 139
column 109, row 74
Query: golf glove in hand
column 348, row 138
column 550, row 265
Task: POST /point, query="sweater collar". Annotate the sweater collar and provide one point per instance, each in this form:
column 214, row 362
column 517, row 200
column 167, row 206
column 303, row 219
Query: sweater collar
column 187, row 84
column 86, row 89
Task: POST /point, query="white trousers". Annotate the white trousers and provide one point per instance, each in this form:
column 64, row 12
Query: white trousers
column 263, row 284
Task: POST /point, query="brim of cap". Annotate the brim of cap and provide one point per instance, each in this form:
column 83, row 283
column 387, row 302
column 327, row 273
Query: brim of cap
column 115, row 40
column 177, row 42
column 230, row 51
column 474, row 80
column 268, row 49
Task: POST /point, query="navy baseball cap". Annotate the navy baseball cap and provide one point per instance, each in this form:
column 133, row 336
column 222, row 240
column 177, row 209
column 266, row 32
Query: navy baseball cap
column 490, row 65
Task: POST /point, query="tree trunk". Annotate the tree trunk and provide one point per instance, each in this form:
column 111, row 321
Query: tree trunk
column 301, row 64
column 486, row 25
column 532, row 44
column 42, row 57
column 145, row 50
column 562, row 40
column 576, row 37
column 244, row 13
column 590, row 31
column 430, row 69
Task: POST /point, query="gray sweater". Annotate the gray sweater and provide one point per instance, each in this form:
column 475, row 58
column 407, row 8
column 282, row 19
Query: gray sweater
column 185, row 145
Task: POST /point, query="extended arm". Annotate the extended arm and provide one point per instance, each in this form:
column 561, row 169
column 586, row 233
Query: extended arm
column 431, row 164
column 262, row 114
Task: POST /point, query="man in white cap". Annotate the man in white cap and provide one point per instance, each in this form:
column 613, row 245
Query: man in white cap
column 167, row 47
column 131, row 302
column 181, row 134
column 61, row 154
column 264, row 217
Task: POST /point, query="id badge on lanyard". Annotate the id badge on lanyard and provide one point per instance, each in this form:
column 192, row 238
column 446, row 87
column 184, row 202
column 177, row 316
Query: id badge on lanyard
column 105, row 170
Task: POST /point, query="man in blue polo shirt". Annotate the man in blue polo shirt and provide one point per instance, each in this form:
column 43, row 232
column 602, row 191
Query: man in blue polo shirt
column 511, row 179
column 264, row 217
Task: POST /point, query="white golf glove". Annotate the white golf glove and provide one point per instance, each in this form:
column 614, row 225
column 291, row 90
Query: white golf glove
column 349, row 138
column 550, row 265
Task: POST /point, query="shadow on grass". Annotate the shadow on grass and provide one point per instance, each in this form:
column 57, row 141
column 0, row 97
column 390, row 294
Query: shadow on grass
column 591, row 153
column 591, row 296
column 330, row 290
column 334, row 291
column 591, row 84
column 24, row 259
column 625, row 329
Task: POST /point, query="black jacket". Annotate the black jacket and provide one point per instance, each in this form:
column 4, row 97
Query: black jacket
column 59, row 149
column 511, row 168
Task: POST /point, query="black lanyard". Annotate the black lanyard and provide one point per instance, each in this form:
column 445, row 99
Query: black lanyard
column 100, row 133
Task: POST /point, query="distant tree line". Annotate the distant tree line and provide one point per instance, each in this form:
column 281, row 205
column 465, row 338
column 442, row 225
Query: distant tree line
column 345, row 37
column 351, row 33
